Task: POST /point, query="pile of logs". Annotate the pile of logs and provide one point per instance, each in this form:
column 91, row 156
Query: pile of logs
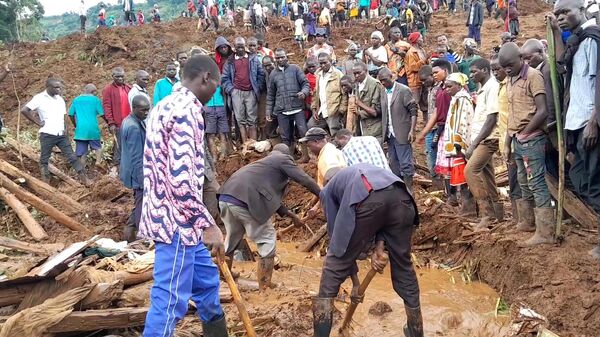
column 77, row 290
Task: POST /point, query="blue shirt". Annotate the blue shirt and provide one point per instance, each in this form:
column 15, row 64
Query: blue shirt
column 162, row 89
column 217, row 99
column 86, row 108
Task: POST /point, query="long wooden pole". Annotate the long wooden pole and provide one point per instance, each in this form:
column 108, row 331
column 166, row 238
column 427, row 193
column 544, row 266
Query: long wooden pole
column 237, row 298
column 33, row 227
column 352, row 308
column 559, row 128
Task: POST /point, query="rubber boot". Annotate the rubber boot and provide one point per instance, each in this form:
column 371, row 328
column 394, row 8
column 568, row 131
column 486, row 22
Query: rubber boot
column 595, row 252
column 45, row 174
column 545, row 221
column 468, row 208
column 526, row 216
column 408, row 181
column 216, row 328
column 305, row 157
column 322, row 316
column 414, row 322
column 513, row 209
column 84, row 179
column 451, row 193
column 265, row 272
column 487, row 214
column 499, row 210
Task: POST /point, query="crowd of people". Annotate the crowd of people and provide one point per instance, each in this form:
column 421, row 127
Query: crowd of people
column 357, row 115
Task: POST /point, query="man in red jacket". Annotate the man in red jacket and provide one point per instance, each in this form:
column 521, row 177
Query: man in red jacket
column 115, row 102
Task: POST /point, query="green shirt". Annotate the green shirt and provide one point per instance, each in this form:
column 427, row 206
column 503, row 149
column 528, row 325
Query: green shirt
column 465, row 68
column 86, row 108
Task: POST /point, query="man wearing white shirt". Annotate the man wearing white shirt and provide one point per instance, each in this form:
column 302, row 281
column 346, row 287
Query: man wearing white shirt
column 82, row 16
column 327, row 97
column 142, row 78
column 51, row 111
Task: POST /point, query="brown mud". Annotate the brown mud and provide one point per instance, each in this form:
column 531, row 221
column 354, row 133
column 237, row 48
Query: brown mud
column 559, row 282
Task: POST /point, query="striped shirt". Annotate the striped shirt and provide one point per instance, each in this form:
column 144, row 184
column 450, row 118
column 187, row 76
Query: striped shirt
column 366, row 150
column 174, row 171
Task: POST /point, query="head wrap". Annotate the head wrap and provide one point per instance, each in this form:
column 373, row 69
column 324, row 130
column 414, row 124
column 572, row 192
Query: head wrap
column 459, row 78
column 414, row 37
column 377, row 34
column 469, row 43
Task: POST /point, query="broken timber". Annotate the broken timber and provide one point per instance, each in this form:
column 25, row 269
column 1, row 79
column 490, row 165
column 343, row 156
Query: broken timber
column 576, row 208
column 27, row 247
column 308, row 246
column 31, row 154
column 42, row 189
column 33, row 227
column 92, row 320
column 41, row 205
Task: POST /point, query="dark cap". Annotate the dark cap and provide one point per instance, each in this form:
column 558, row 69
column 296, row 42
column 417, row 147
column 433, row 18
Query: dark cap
column 313, row 134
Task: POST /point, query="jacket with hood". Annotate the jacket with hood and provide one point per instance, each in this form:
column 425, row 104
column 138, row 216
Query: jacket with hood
column 283, row 88
column 220, row 60
column 256, row 73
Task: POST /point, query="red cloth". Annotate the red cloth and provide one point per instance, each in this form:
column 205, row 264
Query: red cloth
column 241, row 80
column 367, row 184
column 220, row 60
column 375, row 4
column 457, row 172
column 115, row 108
column 414, row 37
column 214, row 10
column 312, row 82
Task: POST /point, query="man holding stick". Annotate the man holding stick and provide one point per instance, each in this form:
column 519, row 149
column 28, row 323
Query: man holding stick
column 361, row 202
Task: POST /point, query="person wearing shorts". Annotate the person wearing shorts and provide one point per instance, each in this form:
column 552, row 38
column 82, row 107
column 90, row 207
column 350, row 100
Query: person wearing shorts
column 215, row 119
column 83, row 113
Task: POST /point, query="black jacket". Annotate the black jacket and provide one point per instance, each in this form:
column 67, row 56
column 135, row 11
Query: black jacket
column 262, row 184
column 477, row 16
column 283, row 88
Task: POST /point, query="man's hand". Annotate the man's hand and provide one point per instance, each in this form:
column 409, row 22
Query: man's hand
column 379, row 259
column 553, row 21
column 420, row 138
column 269, row 118
column 411, row 137
column 507, row 153
column 296, row 220
column 590, row 135
column 301, row 95
column 315, row 114
column 313, row 211
column 213, row 240
column 470, row 150
column 113, row 129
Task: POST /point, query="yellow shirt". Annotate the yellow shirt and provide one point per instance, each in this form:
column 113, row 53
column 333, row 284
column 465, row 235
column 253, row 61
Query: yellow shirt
column 502, row 112
column 329, row 157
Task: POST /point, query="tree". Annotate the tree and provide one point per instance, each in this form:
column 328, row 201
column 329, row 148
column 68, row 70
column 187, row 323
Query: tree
column 19, row 19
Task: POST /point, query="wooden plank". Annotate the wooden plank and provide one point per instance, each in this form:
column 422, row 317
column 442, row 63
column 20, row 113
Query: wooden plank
column 576, row 208
column 308, row 246
column 101, row 296
column 22, row 246
column 33, row 227
column 30, row 153
column 14, row 294
column 61, row 257
column 41, row 205
column 42, row 189
column 92, row 320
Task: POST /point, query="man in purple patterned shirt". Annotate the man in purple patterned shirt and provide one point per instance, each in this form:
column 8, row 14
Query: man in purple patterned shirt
column 173, row 214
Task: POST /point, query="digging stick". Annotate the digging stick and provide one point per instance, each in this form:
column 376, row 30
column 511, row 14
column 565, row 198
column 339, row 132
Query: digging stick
column 559, row 128
column 237, row 298
column 352, row 308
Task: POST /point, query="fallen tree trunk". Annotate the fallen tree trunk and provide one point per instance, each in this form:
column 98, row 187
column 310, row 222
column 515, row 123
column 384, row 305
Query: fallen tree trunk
column 43, row 189
column 308, row 246
column 41, row 205
column 31, row 154
column 130, row 279
column 92, row 320
column 576, row 208
column 33, row 227
column 22, row 246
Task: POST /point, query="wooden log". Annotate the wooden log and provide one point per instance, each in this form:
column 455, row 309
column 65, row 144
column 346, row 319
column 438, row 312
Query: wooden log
column 308, row 246
column 42, row 189
column 30, row 153
column 33, row 227
column 130, row 279
column 22, row 246
column 101, row 296
column 41, row 205
column 92, row 320
column 14, row 294
column 576, row 208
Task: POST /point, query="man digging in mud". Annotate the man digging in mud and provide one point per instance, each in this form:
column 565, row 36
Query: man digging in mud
column 361, row 202
column 247, row 201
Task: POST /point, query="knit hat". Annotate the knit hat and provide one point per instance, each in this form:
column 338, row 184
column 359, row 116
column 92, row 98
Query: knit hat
column 459, row 78
column 377, row 34
column 469, row 43
column 414, row 37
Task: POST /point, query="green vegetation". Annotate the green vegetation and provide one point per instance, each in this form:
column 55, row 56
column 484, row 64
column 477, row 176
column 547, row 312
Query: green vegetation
column 19, row 20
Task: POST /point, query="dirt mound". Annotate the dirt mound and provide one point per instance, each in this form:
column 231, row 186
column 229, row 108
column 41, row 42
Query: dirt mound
column 530, row 7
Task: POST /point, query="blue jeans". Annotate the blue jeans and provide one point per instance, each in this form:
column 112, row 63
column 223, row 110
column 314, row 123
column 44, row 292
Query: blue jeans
column 531, row 168
column 401, row 158
column 475, row 33
column 431, row 151
column 287, row 123
column 180, row 273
